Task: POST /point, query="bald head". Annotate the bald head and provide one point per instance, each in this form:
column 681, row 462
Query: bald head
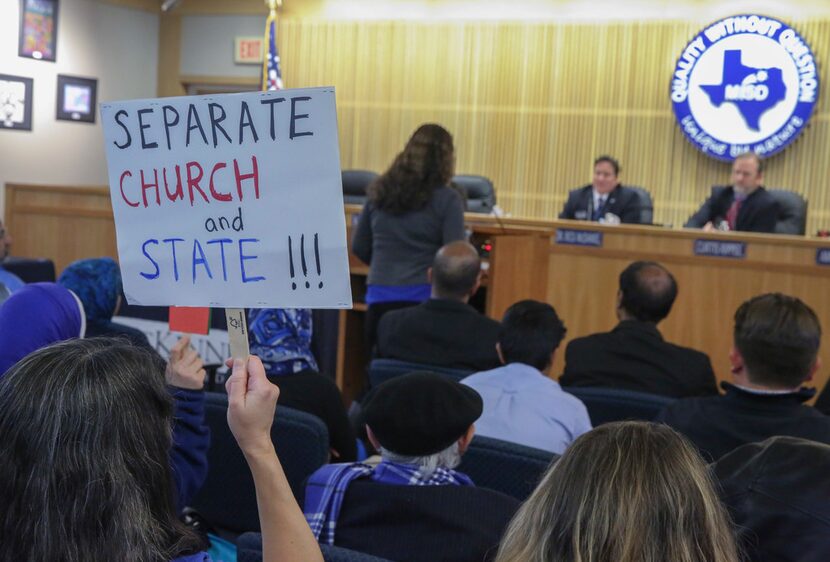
column 455, row 271
column 647, row 291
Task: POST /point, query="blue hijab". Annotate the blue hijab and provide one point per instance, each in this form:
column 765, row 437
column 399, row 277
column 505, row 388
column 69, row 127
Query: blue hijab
column 97, row 282
column 37, row 315
column 281, row 337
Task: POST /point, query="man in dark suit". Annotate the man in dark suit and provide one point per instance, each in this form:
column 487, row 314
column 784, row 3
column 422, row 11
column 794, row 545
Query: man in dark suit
column 605, row 199
column 775, row 352
column 634, row 356
column 444, row 331
column 745, row 205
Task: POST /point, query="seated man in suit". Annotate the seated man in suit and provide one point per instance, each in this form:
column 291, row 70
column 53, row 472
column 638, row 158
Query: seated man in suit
column 605, row 199
column 775, row 351
column 776, row 492
column 634, row 356
column 521, row 403
column 444, row 331
column 413, row 506
column 744, row 205
column 11, row 281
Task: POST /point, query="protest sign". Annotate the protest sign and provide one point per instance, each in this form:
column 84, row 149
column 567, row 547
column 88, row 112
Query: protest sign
column 230, row 200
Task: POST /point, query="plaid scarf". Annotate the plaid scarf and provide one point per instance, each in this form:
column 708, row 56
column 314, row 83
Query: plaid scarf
column 327, row 486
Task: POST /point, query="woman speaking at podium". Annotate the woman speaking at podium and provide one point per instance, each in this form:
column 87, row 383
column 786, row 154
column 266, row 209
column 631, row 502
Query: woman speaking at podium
column 410, row 213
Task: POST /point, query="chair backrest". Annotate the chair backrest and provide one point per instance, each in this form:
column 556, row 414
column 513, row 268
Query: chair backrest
column 249, row 549
column 646, row 204
column 381, row 370
column 505, row 467
column 613, row 404
column 481, row 196
column 31, row 270
column 355, row 183
column 793, row 215
column 228, row 499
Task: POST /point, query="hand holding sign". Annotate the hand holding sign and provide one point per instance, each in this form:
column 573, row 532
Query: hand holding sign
column 185, row 369
column 252, row 401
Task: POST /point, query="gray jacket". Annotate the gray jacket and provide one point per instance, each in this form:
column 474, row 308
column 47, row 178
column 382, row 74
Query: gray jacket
column 400, row 248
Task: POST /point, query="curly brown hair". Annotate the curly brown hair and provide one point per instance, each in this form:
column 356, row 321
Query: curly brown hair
column 426, row 163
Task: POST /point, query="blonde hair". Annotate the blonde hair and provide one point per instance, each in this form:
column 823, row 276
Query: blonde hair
column 624, row 492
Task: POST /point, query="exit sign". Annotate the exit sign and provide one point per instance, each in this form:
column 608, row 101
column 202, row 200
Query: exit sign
column 248, row 50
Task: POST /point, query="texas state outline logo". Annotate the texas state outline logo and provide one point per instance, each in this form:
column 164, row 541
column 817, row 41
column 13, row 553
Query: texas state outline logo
column 744, row 83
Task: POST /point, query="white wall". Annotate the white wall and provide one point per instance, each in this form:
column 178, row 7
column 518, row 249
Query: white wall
column 207, row 44
column 116, row 45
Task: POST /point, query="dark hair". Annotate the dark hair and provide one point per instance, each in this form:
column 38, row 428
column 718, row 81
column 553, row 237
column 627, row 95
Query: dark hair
column 778, row 337
column 530, row 332
column 611, row 160
column 455, row 270
column 752, row 156
column 648, row 291
column 426, row 163
column 85, row 430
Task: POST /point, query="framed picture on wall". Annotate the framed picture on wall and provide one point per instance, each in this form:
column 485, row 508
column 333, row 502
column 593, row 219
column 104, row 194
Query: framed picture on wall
column 16, row 102
column 76, row 98
column 38, row 37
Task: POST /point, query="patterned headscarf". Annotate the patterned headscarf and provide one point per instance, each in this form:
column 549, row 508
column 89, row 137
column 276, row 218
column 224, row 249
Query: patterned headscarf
column 37, row 315
column 97, row 282
column 281, row 337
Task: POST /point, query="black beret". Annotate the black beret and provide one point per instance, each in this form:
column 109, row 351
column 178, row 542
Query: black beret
column 421, row 413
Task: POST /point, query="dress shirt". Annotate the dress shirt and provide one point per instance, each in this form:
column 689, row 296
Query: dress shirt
column 524, row 406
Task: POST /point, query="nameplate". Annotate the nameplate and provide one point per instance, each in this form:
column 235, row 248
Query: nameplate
column 720, row 249
column 579, row 237
column 823, row 256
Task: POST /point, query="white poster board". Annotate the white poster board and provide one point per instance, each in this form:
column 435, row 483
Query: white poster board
column 231, row 200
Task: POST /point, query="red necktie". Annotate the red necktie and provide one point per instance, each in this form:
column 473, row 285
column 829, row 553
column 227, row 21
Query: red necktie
column 732, row 213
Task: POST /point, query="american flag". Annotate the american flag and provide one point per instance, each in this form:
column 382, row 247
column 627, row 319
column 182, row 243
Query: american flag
column 271, row 73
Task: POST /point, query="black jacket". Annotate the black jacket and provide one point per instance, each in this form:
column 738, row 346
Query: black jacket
column 778, row 494
column 420, row 523
column 440, row 332
column 634, row 356
column 720, row 424
column 759, row 213
column 622, row 201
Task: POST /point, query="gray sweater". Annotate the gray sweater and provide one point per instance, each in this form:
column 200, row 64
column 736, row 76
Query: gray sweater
column 400, row 248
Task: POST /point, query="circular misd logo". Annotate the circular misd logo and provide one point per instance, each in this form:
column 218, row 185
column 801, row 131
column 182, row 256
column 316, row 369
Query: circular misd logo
column 744, row 83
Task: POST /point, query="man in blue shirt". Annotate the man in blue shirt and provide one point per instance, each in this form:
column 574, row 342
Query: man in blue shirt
column 11, row 281
column 521, row 403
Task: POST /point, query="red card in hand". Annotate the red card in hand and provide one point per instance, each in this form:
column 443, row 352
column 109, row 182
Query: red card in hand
column 189, row 319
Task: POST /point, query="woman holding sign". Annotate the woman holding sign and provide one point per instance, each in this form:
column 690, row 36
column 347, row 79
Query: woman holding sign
column 410, row 214
column 85, row 475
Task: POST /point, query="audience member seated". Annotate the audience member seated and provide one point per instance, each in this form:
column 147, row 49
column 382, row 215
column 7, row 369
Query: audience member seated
column 775, row 351
column 522, row 403
column 444, row 331
column 624, row 492
column 41, row 314
column 7, row 278
column 84, row 475
column 777, row 493
column 605, row 199
column 634, row 356
column 412, row 506
column 282, row 339
column 745, row 205
column 97, row 282
column 35, row 316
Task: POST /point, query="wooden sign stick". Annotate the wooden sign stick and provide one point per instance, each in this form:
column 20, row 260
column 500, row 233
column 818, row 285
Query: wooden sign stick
column 238, row 333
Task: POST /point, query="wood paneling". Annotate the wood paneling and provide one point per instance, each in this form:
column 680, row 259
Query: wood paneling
column 532, row 104
column 60, row 222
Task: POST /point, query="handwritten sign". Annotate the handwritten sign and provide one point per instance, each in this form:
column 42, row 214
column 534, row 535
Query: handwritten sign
column 230, row 200
column 575, row 237
column 720, row 249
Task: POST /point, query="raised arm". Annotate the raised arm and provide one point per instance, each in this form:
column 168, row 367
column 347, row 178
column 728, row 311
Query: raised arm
column 252, row 401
